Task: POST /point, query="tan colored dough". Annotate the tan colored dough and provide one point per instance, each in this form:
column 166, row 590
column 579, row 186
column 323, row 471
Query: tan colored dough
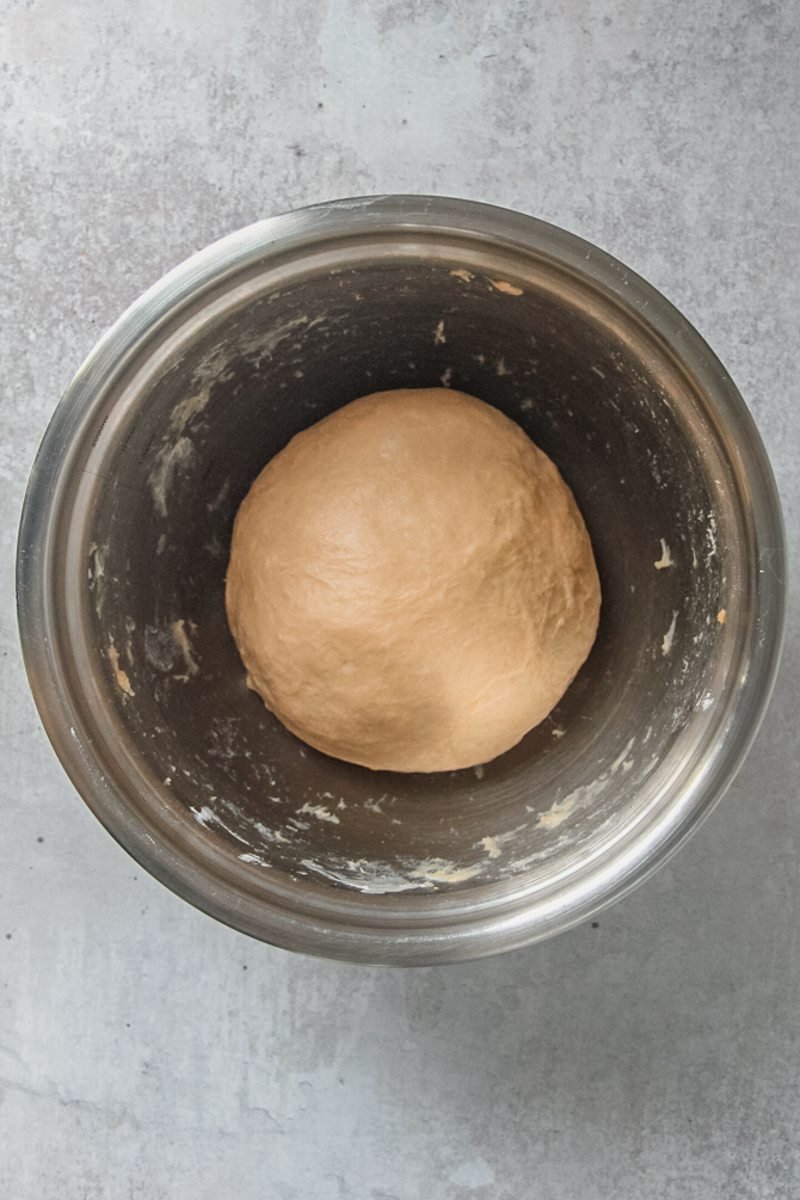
column 411, row 585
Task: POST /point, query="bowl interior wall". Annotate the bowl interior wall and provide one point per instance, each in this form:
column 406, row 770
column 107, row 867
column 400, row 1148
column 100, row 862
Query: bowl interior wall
column 222, row 406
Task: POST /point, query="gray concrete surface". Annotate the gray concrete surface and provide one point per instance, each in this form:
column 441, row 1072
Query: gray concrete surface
column 146, row 1051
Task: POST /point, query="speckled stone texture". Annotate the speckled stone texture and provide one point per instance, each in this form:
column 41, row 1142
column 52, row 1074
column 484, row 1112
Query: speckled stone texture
column 147, row 1052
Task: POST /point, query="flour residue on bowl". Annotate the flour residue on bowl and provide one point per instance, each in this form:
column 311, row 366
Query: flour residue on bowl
column 207, row 816
column 169, row 649
column 96, row 575
column 508, row 289
column 181, row 638
column 556, row 813
column 96, row 570
column 666, row 559
column 669, row 636
column 495, row 845
column 177, row 453
column 498, row 854
column 320, row 812
column 440, row 870
column 379, row 878
column 121, row 675
column 711, row 537
column 360, row 875
column 186, row 410
column 255, row 858
column 623, row 760
column 172, row 459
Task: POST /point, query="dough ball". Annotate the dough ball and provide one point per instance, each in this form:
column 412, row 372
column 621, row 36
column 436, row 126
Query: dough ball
column 411, row 585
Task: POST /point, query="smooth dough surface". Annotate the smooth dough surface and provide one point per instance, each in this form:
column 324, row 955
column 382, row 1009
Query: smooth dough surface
column 411, row 585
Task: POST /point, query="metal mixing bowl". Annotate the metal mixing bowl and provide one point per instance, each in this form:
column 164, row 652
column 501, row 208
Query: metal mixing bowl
column 124, row 542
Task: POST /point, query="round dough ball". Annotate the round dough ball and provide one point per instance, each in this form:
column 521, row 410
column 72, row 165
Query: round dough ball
column 411, row 585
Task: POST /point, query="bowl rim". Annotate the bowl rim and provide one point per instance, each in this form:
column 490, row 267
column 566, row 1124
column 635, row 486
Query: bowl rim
column 465, row 935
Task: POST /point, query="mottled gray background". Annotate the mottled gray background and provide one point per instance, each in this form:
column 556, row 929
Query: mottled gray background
column 146, row 1051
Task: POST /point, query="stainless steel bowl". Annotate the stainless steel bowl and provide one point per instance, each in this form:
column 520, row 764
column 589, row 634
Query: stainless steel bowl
column 123, row 550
